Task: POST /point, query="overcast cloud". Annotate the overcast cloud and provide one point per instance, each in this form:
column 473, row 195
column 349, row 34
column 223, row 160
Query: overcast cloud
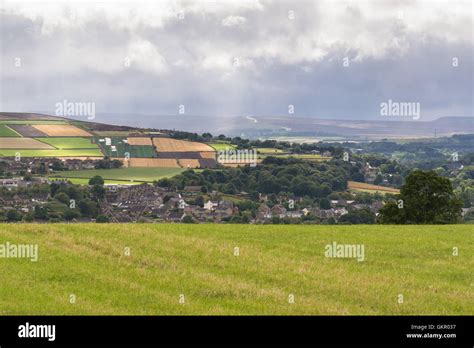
column 239, row 57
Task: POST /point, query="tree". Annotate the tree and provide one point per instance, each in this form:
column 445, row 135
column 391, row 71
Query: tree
column 378, row 179
column 88, row 208
column 426, row 198
column 199, row 201
column 98, row 192
column 102, row 219
column 13, row 216
column 360, row 216
column 324, row 204
column 62, row 197
column 188, row 219
column 96, row 180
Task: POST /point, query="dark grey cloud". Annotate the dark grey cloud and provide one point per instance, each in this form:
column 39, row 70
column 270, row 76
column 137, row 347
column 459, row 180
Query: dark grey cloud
column 248, row 58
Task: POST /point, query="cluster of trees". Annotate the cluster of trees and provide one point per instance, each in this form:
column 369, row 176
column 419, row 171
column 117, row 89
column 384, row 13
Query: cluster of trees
column 278, row 176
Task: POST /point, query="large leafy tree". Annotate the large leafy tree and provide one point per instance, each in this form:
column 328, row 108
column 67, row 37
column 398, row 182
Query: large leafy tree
column 426, row 198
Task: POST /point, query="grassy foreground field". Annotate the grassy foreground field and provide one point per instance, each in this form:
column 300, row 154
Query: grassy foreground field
column 199, row 263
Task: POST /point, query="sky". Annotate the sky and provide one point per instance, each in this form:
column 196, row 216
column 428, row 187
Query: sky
column 320, row 59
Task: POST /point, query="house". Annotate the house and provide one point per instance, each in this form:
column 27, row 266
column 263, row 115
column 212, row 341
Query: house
column 294, row 214
column 264, row 212
column 192, row 189
column 176, row 216
column 9, row 183
column 209, row 205
column 278, row 210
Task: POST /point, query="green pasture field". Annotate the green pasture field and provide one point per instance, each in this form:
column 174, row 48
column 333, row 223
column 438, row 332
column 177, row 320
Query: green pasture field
column 268, row 151
column 139, row 174
column 85, row 181
column 142, row 151
column 200, row 265
column 8, row 132
column 306, row 157
column 111, row 133
column 52, row 153
column 222, row 146
column 69, row 143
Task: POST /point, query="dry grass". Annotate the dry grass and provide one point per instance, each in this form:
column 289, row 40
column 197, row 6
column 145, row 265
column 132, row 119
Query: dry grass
column 189, row 163
column 139, row 141
column 173, row 145
column 154, row 162
column 208, row 154
column 61, row 130
column 23, row 143
column 354, row 185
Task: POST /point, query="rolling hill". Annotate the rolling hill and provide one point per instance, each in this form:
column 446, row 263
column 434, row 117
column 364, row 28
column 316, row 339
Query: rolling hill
column 39, row 135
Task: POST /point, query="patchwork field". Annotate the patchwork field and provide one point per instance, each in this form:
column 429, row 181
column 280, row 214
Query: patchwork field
column 26, row 130
column 173, row 145
column 360, row 186
column 122, row 175
column 23, row 143
column 36, row 135
column 57, row 130
column 199, row 263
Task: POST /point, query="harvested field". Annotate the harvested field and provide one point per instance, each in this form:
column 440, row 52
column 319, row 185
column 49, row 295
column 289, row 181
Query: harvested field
column 139, row 141
column 354, row 185
column 62, row 130
column 27, row 130
column 179, row 155
column 23, row 143
column 189, row 163
column 208, row 155
column 153, row 162
column 207, row 163
column 173, row 145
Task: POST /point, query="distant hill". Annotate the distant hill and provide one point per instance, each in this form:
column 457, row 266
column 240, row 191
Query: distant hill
column 268, row 126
